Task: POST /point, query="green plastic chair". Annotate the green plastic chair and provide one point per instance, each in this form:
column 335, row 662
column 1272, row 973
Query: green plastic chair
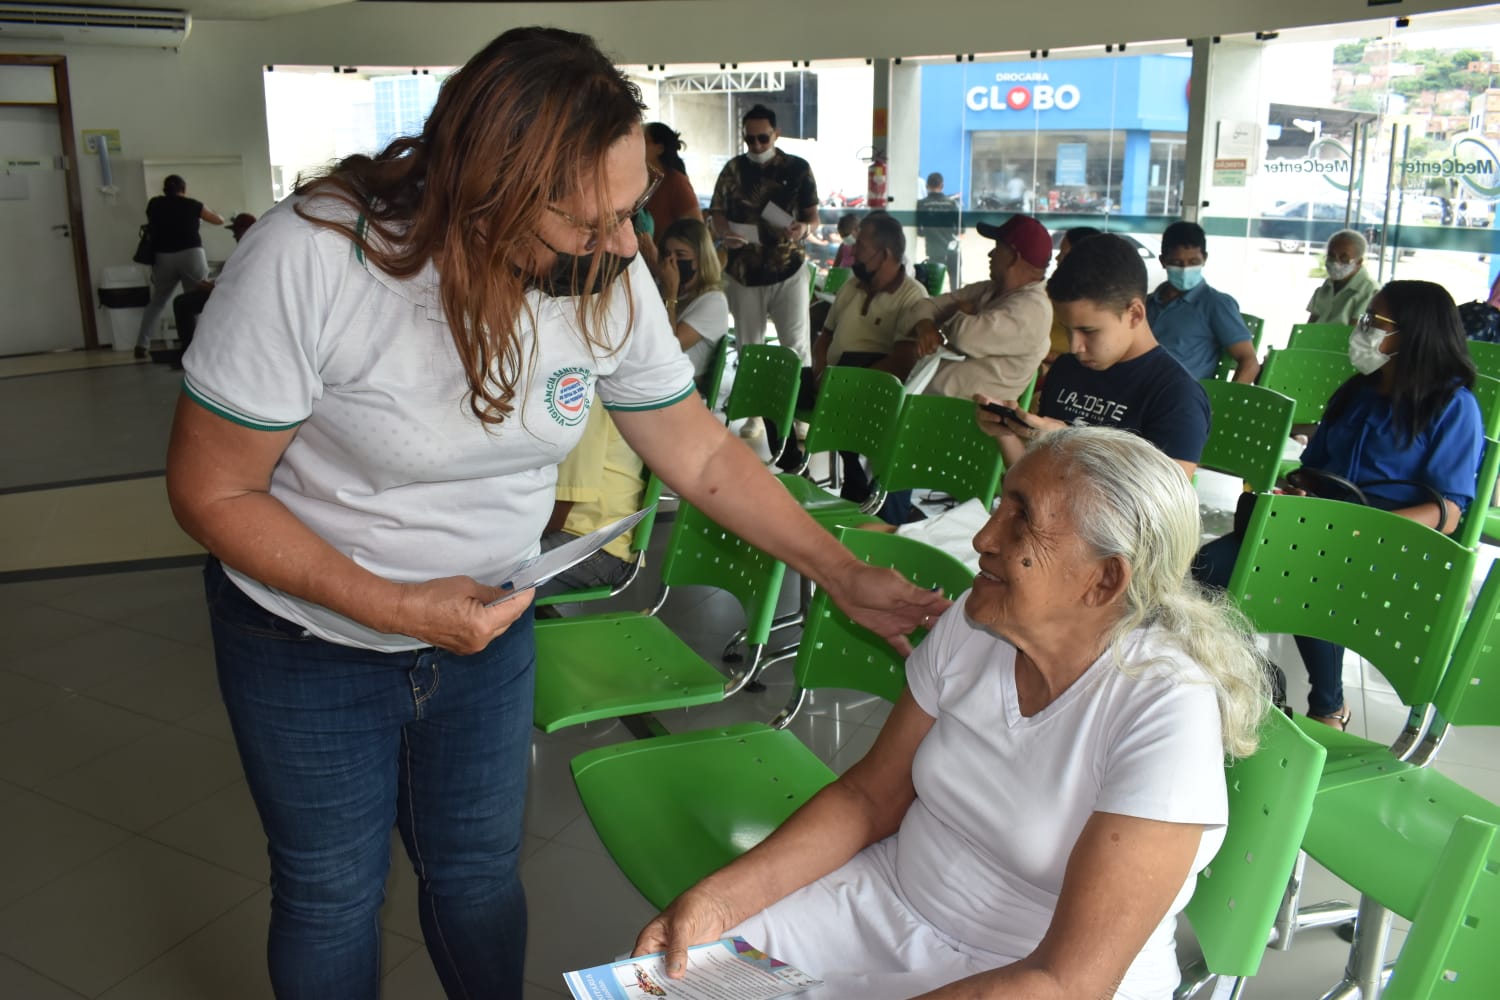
column 716, row 368
column 1486, row 357
column 1487, row 395
column 765, row 386
column 1248, row 432
column 1450, row 952
column 1321, row 337
column 937, row 273
column 624, row 663
column 857, row 410
column 1257, row 328
column 1309, row 377
column 639, row 542
column 672, row 809
column 1235, row 902
column 939, row 446
column 812, row 277
column 835, row 279
column 1384, row 586
column 1481, row 517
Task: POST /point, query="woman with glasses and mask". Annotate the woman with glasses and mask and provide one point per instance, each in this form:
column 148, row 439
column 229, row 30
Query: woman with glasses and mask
column 692, row 286
column 1346, row 294
column 1404, row 429
column 374, row 407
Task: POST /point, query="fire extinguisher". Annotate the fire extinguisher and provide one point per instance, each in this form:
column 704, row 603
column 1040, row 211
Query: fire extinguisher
column 875, row 193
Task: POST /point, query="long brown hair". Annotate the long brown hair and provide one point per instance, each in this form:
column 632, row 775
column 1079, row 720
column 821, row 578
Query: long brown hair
column 525, row 123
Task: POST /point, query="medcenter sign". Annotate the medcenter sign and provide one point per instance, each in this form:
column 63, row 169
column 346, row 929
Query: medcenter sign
column 1020, row 91
column 1470, row 161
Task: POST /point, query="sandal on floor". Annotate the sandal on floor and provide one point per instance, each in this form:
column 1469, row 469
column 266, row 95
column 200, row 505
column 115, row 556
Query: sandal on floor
column 1339, row 720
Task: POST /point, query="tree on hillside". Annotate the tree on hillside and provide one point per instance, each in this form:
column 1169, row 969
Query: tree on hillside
column 1350, row 53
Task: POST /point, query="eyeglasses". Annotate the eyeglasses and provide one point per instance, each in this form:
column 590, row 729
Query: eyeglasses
column 595, row 234
column 1369, row 319
column 757, row 138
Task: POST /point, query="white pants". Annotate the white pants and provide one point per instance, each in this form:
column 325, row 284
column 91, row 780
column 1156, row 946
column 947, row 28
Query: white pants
column 168, row 270
column 785, row 304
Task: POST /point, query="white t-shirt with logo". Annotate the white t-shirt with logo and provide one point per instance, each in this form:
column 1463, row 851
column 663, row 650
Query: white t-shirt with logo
column 389, row 464
column 972, row 879
column 709, row 315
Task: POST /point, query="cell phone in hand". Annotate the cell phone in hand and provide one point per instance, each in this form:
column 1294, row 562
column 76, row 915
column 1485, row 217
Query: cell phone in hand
column 1006, row 413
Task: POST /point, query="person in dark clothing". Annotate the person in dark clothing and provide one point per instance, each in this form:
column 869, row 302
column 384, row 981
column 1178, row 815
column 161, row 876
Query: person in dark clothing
column 937, row 224
column 187, row 306
column 177, row 251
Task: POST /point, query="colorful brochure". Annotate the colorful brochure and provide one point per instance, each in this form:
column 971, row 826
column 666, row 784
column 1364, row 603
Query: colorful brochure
column 729, row 969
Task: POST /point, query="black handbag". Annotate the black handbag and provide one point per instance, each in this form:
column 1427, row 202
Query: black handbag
column 1328, row 486
column 143, row 252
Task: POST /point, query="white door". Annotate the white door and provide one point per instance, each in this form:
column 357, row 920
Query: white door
column 38, row 283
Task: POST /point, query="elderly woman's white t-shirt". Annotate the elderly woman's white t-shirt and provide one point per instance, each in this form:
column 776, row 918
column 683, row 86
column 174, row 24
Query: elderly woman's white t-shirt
column 979, row 860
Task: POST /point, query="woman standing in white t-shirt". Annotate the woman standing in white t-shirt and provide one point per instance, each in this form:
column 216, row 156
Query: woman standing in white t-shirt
column 1038, row 804
column 692, row 285
column 382, row 385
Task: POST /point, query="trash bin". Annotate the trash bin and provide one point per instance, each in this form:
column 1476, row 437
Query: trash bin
column 123, row 293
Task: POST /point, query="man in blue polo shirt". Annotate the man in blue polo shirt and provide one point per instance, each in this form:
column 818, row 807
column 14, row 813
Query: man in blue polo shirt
column 1193, row 321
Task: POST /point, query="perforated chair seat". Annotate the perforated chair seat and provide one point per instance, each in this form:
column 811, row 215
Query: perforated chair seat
column 1307, row 376
column 646, row 668
column 731, row 788
column 1320, row 336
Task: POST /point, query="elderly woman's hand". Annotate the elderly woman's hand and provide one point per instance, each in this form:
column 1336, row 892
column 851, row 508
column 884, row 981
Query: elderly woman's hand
column 452, row 613
column 698, row 916
column 885, row 602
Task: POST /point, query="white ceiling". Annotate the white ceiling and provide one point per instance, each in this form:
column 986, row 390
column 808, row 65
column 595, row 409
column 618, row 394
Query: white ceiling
column 220, row 10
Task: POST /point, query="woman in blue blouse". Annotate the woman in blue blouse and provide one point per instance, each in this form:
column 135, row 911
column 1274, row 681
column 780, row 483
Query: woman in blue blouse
column 1408, row 415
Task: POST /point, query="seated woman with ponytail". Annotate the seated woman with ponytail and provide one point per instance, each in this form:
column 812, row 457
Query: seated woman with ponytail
column 1406, row 431
column 1036, row 808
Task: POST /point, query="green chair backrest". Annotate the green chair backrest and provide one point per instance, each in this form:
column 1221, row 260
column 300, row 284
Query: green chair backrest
column 1472, row 525
column 702, row 553
column 766, row 384
column 1248, row 432
column 1309, row 377
column 1487, row 395
column 1271, row 797
column 837, row 653
column 1450, row 952
column 936, row 272
column 716, row 371
column 1227, row 364
column 835, row 279
column 1486, row 357
column 856, row 411
column 812, row 277
column 1025, row 398
column 1470, row 692
column 1321, row 336
column 938, row 445
column 1385, row 586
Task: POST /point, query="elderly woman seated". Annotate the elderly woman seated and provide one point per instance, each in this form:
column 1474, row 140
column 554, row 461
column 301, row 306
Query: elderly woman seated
column 1037, row 806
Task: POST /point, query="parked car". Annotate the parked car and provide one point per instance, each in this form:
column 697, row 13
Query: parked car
column 1301, row 225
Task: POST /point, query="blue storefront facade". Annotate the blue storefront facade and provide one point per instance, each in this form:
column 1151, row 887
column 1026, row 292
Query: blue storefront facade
column 1068, row 135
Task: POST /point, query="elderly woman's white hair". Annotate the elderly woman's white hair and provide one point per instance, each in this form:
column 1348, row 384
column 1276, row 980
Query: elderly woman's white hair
column 1133, row 502
column 1352, row 236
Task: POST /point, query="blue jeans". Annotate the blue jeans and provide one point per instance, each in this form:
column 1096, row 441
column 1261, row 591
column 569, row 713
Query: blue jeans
column 339, row 744
column 1324, row 660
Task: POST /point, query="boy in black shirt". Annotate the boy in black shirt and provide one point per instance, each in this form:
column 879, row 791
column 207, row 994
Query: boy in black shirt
column 1117, row 374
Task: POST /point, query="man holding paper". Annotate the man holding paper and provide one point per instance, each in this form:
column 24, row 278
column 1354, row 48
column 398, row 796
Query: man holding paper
column 763, row 204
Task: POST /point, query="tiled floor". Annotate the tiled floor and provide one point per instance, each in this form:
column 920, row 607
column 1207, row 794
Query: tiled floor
column 131, row 863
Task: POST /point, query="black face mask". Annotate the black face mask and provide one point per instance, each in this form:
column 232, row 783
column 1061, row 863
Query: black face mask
column 686, row 271
column 569, row 275
column 862, row 273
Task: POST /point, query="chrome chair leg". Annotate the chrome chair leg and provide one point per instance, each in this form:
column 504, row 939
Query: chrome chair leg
column 1367, row 973
column 1292, row 917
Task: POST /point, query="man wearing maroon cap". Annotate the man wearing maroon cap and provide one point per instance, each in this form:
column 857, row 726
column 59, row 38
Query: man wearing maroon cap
column 1000, row 326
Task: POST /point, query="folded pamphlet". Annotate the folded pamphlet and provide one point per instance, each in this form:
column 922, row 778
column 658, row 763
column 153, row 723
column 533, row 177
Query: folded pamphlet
column 729, row 969
column 545, row 565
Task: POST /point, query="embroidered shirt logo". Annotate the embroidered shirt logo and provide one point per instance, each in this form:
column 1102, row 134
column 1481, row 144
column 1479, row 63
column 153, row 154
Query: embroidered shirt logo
column 569, row 392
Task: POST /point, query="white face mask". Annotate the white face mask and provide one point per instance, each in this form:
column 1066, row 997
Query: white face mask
column 763, row 156
column 1338, row 270
column 1364, row 347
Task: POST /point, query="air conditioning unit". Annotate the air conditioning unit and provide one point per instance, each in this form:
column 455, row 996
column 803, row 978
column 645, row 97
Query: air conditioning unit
column 138, row 27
